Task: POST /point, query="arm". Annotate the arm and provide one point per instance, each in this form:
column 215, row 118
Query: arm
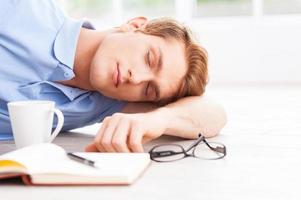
column 187, row 117
column 142, row 122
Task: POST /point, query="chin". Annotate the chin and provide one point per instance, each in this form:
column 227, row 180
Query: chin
column 95, row 83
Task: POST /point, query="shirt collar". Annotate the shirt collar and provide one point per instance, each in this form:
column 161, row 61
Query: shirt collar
column 70, row 92
column 67, row 38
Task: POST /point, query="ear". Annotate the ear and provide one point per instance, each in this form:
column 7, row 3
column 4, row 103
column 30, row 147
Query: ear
column 134, row 24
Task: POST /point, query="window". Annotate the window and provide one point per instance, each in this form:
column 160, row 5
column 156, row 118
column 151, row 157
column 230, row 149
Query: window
column 120, row 10
column 87, row 8
column 281, row 6
column 149, row 8
column 212, row 8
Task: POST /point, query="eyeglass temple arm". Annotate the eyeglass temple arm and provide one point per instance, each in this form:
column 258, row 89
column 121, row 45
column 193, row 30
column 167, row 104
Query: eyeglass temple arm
column 200, row 139
column 220, row 149
column 164, row 153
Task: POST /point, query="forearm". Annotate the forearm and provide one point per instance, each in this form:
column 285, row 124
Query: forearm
column 193, row 115
column 142, row 122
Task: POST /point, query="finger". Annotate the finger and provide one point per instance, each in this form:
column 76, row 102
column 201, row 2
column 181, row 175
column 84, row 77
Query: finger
column 106, row 140
column 91, row 148
column 98, row 137
column 119, row 140
column 135, row 139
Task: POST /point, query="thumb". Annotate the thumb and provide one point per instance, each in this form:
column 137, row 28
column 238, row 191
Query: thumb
column 91, row 148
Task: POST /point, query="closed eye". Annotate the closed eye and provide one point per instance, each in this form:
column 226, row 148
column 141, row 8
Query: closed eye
column 150, row 85
column 150, row 91
column 148, row 58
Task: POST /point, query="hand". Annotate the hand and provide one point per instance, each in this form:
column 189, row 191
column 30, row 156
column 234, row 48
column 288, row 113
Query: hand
column 127, row 132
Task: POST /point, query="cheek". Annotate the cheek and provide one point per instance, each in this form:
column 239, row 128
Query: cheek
column 96, row 68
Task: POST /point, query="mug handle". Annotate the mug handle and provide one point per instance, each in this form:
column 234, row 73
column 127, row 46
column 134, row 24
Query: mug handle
column 60, row 123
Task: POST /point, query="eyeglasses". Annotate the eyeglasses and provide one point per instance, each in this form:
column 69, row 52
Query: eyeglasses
column 200, row 149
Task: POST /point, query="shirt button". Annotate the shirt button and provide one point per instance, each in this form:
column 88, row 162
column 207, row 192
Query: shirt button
column 66, row 74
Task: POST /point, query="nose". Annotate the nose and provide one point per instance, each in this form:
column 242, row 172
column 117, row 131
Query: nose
column 137, row 77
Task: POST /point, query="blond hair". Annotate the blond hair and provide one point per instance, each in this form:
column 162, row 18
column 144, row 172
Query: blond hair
column 196, row 78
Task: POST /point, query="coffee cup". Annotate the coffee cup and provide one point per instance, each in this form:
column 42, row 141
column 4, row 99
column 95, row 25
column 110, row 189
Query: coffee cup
column 32, row 121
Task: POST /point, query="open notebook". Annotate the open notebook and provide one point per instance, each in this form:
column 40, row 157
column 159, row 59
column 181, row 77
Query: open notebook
column 48, row 164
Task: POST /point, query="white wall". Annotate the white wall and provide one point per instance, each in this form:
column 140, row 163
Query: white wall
column 246, row 49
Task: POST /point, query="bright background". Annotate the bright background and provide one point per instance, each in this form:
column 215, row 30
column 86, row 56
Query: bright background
column 249, row 41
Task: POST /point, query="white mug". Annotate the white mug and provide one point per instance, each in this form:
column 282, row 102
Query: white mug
column 32, row 121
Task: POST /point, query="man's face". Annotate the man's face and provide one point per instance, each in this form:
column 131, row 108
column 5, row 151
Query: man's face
column 133, row 66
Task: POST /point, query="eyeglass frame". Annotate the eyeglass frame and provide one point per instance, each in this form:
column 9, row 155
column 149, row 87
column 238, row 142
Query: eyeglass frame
column 219, row 149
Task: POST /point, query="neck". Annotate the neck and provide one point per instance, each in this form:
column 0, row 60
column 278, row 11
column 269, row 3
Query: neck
column 88, row 43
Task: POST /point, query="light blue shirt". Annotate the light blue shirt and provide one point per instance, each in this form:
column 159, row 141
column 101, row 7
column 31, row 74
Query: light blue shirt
column 37, row 48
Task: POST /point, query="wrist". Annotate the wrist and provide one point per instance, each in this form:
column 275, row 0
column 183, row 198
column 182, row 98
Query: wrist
column 164, row 117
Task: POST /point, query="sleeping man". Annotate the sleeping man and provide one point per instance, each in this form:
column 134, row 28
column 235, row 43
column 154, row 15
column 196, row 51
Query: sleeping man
column 142, row 79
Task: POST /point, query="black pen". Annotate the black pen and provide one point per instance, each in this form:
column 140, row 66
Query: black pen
column 82, row 160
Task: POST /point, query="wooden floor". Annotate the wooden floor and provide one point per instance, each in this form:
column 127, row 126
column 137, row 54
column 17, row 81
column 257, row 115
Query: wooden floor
column 263, row 137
